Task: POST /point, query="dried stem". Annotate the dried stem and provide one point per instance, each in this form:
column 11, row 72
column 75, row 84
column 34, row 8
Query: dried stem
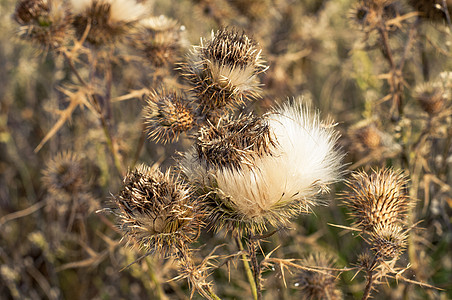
column 370, row 280
column 249, row 273
column 159, row 291
column 252, row 246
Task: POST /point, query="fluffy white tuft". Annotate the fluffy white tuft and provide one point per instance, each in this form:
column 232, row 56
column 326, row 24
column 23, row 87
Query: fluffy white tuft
column 305, row 161
column 126, row 10
column 78, row 6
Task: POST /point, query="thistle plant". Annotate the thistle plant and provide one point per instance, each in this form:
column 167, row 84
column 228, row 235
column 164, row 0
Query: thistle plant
column 379, row 205
column 212, row 183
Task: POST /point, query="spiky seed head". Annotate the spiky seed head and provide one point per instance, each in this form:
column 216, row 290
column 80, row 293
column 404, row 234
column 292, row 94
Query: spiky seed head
column 378, row 199
column 234, row 143
column 107, row 20
column 64, row 173
column 431, row 97
column 388, row 241
column 223, row 70
column 156, row 211
column 276, row 185
column 160, row 39
column 321, row 284
column 44, row 22
column 166, row 115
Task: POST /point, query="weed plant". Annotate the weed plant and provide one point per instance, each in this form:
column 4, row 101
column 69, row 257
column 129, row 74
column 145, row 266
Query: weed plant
column 228, row 149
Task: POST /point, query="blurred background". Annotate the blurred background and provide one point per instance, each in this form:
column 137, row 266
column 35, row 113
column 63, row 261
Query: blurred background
column 388, row 90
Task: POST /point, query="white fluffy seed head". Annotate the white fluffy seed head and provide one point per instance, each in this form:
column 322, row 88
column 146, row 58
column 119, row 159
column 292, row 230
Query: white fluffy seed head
column 278, row 185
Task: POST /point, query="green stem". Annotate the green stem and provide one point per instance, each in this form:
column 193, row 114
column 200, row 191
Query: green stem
column 249, row 273
column 212, row 294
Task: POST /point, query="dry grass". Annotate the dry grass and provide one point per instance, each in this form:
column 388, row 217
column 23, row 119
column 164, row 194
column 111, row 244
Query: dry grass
column 88, row 93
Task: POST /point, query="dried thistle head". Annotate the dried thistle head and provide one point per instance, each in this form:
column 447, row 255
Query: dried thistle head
column 156, row 211
column 431, row 97
column 234, row 143
column 388, row 241
column 160, row 39
column 366, row 138
column 44, row 22
column 321, row 283
column 64, row 173
column 106, row 20
column 223, row 70
column 271, row 188
column 378, row 199
column 167, row 114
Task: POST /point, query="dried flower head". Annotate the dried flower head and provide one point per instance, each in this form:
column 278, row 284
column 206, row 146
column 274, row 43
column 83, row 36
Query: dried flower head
column 321, row 283
column 156, row 211
column 223, row 70
column 431, row 97
column 64, row 173
column 45, row 22
column 105, row 20
column 167, row 115
column 388, row 241
column 234, row 143
column 276, row 185
column 378, row 199
column 160, row 39
column 365, row 138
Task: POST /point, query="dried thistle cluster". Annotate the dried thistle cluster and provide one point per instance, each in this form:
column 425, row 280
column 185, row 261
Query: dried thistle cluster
column 379, row 204
column 44, row 22
column 260, row 173
column 222, row 73
column 59, row 25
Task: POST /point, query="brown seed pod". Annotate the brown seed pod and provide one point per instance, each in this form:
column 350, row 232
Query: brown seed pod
column 223, row 70
column 166, row 115
column 156, row 211
column 378, row 199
